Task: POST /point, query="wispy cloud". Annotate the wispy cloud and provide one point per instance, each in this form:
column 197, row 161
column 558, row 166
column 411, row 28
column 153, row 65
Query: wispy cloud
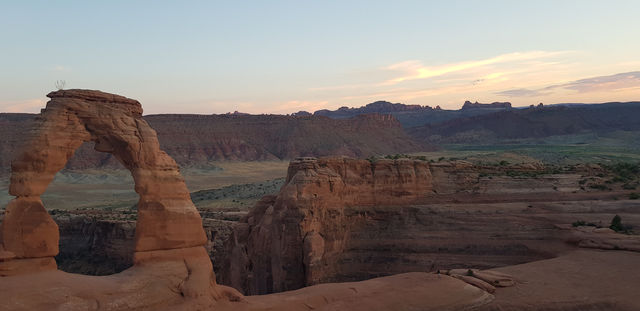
column 522, row 93
column 413, row 79
column 613, row 82
column 415, row 70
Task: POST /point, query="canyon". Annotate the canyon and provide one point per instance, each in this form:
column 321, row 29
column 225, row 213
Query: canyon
column 341, row 219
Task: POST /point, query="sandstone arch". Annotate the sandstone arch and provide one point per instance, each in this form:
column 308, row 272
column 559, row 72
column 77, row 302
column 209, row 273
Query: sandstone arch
column 167, row 219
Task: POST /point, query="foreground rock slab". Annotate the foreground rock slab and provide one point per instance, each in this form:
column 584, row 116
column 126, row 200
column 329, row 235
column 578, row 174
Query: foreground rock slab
column 146, row 288
column 580, row 280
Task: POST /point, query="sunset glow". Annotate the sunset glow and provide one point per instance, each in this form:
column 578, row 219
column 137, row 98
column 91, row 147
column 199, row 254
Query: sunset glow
column 282, row 57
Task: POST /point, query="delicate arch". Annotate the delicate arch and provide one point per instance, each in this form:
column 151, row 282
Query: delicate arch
column 167, row 219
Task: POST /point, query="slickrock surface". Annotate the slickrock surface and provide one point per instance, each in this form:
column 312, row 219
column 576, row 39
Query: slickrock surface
column 144, row 288
column 580, row 280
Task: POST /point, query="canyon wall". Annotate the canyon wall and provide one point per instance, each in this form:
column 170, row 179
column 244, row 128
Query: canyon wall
column 195, row 140
column 297, row 238
column 342, row 219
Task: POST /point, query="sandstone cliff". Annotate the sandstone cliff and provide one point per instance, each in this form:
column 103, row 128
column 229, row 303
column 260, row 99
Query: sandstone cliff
column 298, row 237
column 194, row 140
column 340, row 219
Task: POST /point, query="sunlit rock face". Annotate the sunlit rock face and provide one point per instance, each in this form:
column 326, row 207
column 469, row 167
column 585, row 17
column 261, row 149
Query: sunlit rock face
column 169, row 228
column 298, row 237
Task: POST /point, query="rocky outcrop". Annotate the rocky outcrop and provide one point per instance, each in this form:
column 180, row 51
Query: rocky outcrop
column 298, row 237
column 501, row 105
column 169, row 228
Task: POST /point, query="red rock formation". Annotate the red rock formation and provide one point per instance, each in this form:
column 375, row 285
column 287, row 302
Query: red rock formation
column 340, row 219
column 169, row 227
column 172, row 270
column 296, row 238
column 469, row 105
column 195, row 140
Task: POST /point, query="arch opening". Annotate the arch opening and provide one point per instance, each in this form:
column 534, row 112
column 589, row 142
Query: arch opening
column 94, row 205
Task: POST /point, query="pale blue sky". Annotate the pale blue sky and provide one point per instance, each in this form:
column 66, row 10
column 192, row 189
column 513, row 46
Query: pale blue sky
column 285, row 56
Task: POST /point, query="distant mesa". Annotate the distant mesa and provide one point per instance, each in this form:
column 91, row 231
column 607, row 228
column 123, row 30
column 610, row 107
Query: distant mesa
column 302, row 113
column 375, row 107
column 476, row 105
column 237, row 113
column 194, row 140
column 386, row 107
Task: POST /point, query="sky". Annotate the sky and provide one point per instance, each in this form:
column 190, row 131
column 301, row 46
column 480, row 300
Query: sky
column 285, row 56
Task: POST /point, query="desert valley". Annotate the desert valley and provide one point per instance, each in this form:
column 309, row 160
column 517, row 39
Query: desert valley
column 320, row 155
column 522, row 222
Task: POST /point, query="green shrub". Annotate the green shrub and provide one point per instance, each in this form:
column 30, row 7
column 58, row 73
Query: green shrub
column 617, row 226
column 578, row 223
column 634, row 196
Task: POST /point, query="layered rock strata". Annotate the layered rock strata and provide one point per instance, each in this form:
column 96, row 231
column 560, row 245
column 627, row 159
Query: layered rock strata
column 341, row 219
column 297, row 238
column 197, row 140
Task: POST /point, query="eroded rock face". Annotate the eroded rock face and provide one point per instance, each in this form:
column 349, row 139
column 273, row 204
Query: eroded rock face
column 296, row 238
column 169, row 228
column 340, row 219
